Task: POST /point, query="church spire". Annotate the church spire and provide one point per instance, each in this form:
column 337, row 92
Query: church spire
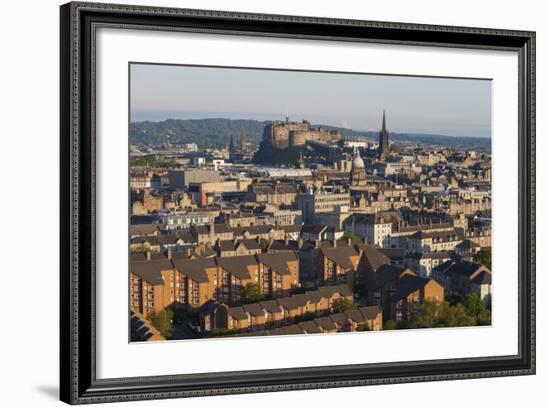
column 384, row 121
column 231, row 145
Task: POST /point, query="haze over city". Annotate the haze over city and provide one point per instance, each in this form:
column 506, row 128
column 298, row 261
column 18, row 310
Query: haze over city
column 446, row 106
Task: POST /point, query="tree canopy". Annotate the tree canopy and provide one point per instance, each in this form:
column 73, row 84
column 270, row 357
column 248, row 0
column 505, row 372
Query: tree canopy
column 252, row 292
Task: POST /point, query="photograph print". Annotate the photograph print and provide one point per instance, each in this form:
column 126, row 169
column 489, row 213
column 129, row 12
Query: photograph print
column 269, row 202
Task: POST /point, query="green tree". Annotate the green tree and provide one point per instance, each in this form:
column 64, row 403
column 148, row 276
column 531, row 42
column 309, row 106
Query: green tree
column 426, row 315
column 451, row 316
column 264, row 244
column 475, row 308
column 483, row 257
column 363, row 327
column 343, row 304
column 454, row 298
column 390, row 325
column 223, row 331
column 252, row 292
column 164, row 321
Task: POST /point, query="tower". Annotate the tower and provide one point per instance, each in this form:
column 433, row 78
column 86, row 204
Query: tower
column 241, row 142
column 231, row 145
column 383, row 140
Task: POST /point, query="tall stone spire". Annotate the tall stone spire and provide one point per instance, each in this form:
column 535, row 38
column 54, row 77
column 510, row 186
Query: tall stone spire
column 384, row 140
column 231, row 145
column 241, row 141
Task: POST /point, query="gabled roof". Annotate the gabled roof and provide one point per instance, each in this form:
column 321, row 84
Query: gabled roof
column 370, row 312
column 254, row 309
column 150, row 270
column 458, row 266
column 340, row 255
column 271, row 306
column 195, row 269
column 310, row 327
column 326, row 323
column 250, row 244
column 483, row 277
column 384, row 275
column 409, row 284
column 237, row 265
column 237, row 313
column 374, row 255
column 314, row 229
column 278, row 262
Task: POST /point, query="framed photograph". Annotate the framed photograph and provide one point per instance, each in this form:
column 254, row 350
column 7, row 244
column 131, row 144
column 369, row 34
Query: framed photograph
column 255, row 203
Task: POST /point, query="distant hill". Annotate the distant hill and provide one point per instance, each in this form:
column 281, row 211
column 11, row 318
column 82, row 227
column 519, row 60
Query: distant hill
column 216, row 133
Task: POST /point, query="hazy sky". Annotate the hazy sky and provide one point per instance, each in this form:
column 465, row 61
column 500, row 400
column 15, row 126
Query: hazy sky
column 454, row 107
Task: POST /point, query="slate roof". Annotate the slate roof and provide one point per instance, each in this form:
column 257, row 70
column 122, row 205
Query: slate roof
column 407, row 285
column 150, row 270
column 370, row 312
column 326, row 323
column 278, row 262
column 310, row 327
column 237, row 313
column 237, row 265
column 374, row 256
column 271, row 306
column 340, row 255
column 462, row 267
column 254, row 309
column 484, row 277
column 195, row 268
column 384, row 275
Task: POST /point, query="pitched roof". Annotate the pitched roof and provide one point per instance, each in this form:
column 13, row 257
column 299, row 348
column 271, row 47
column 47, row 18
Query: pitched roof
column 483, row 277
column 370, row 312
column 458, row 266
column 340, row 255
column 150, row 270
column 315, row 229
column 254, row 309
column 237, row 313
column 250, row 244
column 278, row 262
column 384, row 275
column 375, row 257
column 407, row 285
column 310, row 327
column 237, row 265
column 271, row 306
column 195, row 268
column 326, row 323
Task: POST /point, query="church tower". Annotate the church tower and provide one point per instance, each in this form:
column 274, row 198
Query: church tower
column 241, row 142
column 384, row 140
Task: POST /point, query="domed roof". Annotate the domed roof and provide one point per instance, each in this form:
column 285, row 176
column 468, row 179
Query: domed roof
column 357, row 161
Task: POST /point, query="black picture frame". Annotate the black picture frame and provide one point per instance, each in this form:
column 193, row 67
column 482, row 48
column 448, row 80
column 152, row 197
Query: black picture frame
column 78, row 382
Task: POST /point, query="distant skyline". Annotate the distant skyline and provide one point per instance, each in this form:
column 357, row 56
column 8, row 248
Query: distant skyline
column 446, row 106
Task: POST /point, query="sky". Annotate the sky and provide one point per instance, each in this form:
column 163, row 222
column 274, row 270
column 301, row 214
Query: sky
column 447, row 106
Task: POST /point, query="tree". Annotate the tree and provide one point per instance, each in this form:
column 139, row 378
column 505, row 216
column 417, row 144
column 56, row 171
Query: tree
column 252, row 292
column 390, row 325
column 426, row 315
column 264, row 244
column 363, row 327
column 343, row 304
column 163, row 321
column 475, row 308
column 454, row 298
column 483, row 257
